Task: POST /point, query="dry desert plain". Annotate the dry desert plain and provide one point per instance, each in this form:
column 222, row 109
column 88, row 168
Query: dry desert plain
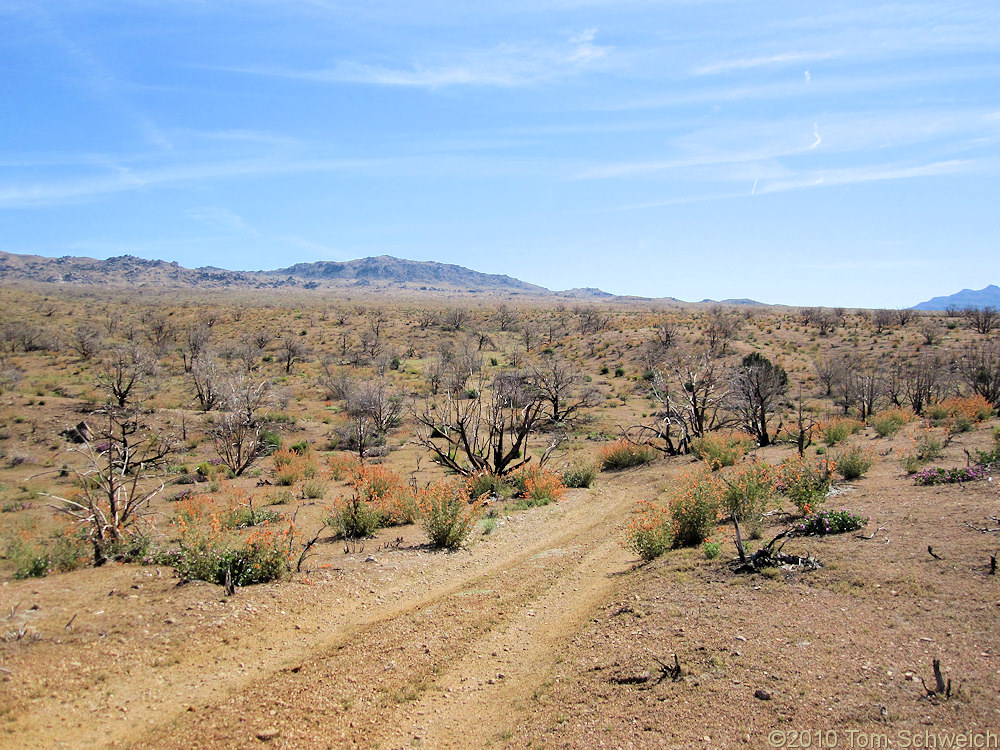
column 547, row 626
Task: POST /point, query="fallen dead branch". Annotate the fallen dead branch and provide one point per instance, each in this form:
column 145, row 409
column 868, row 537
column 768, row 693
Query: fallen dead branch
column 666, row 670
column 941, row 688
column 770, row 556
column 985, row 529
column 884, row 531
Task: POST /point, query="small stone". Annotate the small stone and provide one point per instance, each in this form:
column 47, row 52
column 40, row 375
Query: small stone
column 371, row 558
column 265, row 735
column 761, row 695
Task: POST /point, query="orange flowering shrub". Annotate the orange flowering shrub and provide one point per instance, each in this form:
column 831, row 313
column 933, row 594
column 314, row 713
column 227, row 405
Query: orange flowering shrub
column 719, row 450
column 650, row 532
column 694, row 512
column 447, row 513
column 343, row 465
column 379, row 485
column 962, row 412
column 538, row 485
column 806, row 483
column 622, row 454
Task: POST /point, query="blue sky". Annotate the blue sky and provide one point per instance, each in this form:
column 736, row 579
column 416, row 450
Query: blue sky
column 803, row 153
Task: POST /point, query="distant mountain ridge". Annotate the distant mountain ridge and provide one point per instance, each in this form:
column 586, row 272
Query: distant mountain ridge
column 988, row 296
column 382, row 272
column 388, row 268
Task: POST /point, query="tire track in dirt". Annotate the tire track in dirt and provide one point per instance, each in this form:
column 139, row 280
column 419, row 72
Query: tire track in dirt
column 478, row 700
column 430, row 666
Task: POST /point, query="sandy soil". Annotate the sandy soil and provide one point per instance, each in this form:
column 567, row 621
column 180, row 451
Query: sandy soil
column 545, row 633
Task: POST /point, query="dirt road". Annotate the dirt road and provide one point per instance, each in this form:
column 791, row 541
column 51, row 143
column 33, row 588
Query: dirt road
column 411, row 648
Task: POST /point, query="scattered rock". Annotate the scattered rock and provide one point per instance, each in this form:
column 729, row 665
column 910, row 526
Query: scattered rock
column 265, row 735
column 761, row 695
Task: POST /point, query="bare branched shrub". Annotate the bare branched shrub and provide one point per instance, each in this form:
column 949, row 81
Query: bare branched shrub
column 564, row 389
column 485, row 434
column 979, row 367
column 86, row 340
column 982, row 319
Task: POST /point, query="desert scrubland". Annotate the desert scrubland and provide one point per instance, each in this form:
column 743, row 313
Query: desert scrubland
column 233, row 519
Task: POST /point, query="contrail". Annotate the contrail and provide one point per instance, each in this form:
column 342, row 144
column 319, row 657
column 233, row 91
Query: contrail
column 754, row 191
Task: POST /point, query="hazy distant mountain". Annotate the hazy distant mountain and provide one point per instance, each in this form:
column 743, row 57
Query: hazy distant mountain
column 965, row 298
column 383, row 273
column 399, row 271
column 736, row 301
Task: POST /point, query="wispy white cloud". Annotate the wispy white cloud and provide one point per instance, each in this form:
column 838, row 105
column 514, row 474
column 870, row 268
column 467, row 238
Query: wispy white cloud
column 776, row 60
column 815, row 144
column 218, row 217
column 874, row 173
column 507, row 65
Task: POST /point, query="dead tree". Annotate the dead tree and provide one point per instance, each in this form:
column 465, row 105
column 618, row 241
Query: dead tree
column 564, row 390
column 125, row 458
column 487, row 433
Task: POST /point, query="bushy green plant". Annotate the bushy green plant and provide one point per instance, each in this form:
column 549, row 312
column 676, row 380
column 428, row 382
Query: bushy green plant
column 748, row 490
column 246, row 516
column 260, row 559
column 314, row 489
column 447, row 514
column 694, row 511
column 650, row 532
column 711, row 549
column 928, row 444
column 855, row 461
column 719, row 451
column 355, row 517
column 829, row 522
column 806, row 483
column 622, row 454
column 579, row 474
column 490, row 485
column 888, row 423
column 838, row 430
column 270, row 441
column 32, row 565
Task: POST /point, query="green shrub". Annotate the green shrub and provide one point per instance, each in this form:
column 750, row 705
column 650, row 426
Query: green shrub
column 447, row 515
column 695, row 510
column 854, row 462
column 748, row 490
column 246, row 516
column 650, row 532
column 718, row 450
column 622, row 454
column 806, row 483
column 355, row 518
column 829, row 522
column 314, row 489
column 711, row 549
column 260, row 559
column 888, row 423
column 490, row 485
column 270, row 441
column 838, row 430
column 579, row 474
